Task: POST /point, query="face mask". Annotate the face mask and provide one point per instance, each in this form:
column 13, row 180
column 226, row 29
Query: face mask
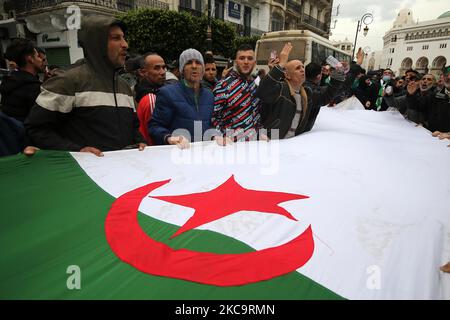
column 386, row 78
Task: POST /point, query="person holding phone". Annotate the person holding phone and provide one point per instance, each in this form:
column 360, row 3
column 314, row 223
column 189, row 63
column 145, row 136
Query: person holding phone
column 226, row 71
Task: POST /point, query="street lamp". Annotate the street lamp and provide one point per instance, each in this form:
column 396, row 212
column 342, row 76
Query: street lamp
column 367, row 18
column 209, row 31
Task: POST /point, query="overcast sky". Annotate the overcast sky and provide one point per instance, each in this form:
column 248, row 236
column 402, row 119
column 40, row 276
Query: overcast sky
column 384, row 12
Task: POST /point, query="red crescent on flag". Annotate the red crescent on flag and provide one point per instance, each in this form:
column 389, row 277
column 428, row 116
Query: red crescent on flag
column 133, row 246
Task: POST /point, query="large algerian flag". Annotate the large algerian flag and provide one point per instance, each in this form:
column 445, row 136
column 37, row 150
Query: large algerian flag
column 358, row 208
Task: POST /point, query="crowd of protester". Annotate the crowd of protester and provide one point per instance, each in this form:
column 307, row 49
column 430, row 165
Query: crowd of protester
column 112, row 100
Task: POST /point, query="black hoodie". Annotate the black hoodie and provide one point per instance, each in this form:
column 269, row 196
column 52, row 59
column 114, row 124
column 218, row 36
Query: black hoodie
column 143, row 87
column 88, row 104
column 19, row 92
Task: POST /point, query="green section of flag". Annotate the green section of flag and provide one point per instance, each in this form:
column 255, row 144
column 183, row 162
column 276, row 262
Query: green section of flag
column 53, row 217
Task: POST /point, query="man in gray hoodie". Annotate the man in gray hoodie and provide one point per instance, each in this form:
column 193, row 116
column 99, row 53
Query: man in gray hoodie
column 88, row 107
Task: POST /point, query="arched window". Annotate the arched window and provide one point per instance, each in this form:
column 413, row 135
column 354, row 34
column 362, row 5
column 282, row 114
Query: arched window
column 407, row 63
column 422, row 63
column 371, row 63
column 277, row 22
column 439, row 62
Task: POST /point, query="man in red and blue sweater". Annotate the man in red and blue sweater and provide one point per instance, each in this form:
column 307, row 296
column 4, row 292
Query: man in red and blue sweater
column 236, row 108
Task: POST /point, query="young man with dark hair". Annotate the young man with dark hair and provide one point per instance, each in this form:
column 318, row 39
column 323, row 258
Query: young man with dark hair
column 313, row 74
column 399, row 86
column 236, row 107
column 173, row 73
column 326, row 70
column 210, row 76
column 20, row 89
column 410, row 73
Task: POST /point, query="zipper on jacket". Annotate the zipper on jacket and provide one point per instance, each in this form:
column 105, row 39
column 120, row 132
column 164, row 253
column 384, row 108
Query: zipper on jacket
column 117, row 106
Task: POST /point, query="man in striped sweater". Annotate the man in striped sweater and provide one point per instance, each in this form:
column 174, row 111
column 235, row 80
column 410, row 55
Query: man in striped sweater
column 236, row 107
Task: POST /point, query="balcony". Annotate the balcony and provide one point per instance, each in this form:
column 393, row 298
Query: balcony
column 307, row 19
column 294, row 6
column 194, row 12
column 282, row 2
column 246, row 31
column 152, row 4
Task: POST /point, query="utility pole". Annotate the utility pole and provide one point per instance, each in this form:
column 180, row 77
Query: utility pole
column 209, row 31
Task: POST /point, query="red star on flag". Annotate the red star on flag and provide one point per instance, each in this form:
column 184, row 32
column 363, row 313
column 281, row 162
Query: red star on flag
column 226, row 199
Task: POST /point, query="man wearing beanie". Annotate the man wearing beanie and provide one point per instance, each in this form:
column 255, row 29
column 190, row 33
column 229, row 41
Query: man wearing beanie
column 183, row 110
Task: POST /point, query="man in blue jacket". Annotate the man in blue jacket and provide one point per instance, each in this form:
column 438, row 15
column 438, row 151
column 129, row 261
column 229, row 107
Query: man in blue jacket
column 183, row 110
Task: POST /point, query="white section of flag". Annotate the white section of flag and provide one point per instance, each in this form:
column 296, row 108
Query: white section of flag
column 379, row 203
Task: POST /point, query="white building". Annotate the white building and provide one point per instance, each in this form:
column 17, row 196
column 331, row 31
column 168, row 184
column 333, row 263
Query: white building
column 372, row 61
column 345, row 45
column 424, row 46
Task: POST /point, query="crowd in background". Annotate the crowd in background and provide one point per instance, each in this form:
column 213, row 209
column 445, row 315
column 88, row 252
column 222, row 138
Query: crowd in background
column 112, row 99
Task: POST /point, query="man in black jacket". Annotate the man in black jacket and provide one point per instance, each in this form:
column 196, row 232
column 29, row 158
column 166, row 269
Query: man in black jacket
column 20, row 89
column 435, row 107
column 313, row 73
column 286, row 105
column 88, row 107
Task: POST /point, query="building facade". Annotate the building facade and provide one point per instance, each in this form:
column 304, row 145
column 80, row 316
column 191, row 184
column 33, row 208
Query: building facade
column 251, row 17
column 424, row 46
column 53, row 24
column 254, row 17
column 372, row 61
column 344, row 45
column 47, row 21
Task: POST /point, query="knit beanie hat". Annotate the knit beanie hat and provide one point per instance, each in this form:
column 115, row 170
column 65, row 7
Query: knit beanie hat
column 190, row 54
